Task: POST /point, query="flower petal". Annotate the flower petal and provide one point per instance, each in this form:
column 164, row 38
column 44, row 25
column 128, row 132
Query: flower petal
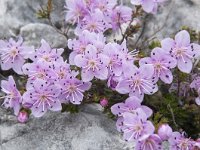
column 167, row 44
column 146, row 71
column 102, row 73
column 133, row 102
column 56, row 106
column 80, row 60
column 166, row 76
column 116, row 109
column 37, row 111
column 123, row 87
column 85, row 86
column 148, row 5
column 186, row 66
column 17, row 65
column 182, row 38
column 145, row 60
column 87, row 75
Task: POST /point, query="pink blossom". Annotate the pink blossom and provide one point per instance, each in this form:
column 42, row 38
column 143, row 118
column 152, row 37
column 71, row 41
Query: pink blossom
column 22, row 116
column 13, row 54
column 13, row 97
column 164, row 131
column 104, row 102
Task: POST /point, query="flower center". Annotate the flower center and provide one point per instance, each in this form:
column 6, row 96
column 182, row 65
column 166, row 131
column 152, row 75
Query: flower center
column 43, row 98
column 40, row 75
column 14, row 52
column 158, row 66
column 138, row 128
column 82, row 48
column 111, row 62
column 61, row 74
column 92, row 63
column 102, row 7
column 93, row 26
column 72, row 88
column 137, row 82
column 183, row 144
column 46, row 58
column 179, row 52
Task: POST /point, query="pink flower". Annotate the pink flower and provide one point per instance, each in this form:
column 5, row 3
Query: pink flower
column 39, row 70
column 13, row 97
column 164, row 131
column 76, row 10
column 138, row 81
column 182, row 50
column 104, row 102
column 162, row 63
column 93, row 64
column 131, row 104
column 72, row 90
column 177, row 141
column 106, row 6
column 78, row 46
column 13, row 54
column 149, row 6
column 149, row 142
column 119, row 15
column 42, row 96
column 135, row 126
column 22, row 116
column 115, row 65
column 94, row 22
column 45, row 54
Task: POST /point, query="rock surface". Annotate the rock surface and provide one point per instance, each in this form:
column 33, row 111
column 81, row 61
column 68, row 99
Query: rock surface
column 34, row 32
column 171, row 17
column 90, row 129
column 87, row 130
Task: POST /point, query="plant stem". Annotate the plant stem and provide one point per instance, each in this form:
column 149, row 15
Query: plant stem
column 172, row 113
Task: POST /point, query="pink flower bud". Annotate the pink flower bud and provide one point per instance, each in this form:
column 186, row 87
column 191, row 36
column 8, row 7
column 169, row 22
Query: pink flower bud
column 22, row 116
column 164, row 131
column 104, row 102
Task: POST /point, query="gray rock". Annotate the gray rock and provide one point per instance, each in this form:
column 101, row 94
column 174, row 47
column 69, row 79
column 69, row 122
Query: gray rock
column 14, row 14
column 87, row 130
column 171, row 17
column 34, row 32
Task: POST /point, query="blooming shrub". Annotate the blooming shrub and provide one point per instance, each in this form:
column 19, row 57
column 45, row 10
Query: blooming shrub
column 124, row 83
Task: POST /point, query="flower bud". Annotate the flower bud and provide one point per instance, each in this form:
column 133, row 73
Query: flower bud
column 164, row 131
column 104, row 102
column 22, row 116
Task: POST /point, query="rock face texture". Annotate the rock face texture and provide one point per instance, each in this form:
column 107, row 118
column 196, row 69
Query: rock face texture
column 89, row 129
column 172, row 16
column 34, row 32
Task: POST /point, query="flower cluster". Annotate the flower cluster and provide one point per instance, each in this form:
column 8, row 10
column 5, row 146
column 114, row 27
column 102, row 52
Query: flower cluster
column 96, row 15
column 51, row 80
column 13, row 54
column 132, row 116
column 182, row 50
column 98, row 59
